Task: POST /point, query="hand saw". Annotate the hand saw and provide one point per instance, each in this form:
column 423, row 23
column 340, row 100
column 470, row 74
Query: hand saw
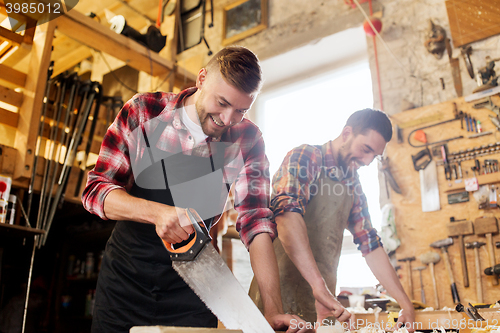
column 203, row 269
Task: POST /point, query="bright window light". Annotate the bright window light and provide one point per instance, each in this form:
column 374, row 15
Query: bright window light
column 314, row 112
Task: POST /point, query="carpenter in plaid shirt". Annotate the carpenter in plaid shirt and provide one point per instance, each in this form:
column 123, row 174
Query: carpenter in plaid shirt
column 316, row 195
column 167, row 152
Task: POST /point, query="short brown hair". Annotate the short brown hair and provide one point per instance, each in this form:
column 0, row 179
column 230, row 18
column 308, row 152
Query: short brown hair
column 366, row 119
column 239, row 67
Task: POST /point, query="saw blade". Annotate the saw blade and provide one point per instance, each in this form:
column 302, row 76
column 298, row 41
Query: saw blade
column 211, row 279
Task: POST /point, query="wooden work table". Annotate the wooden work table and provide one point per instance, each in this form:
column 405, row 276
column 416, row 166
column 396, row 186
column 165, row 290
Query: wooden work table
column 429, row 320
column 426, row 320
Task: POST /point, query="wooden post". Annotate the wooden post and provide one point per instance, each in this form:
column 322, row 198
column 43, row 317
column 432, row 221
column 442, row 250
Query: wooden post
column 29, row 112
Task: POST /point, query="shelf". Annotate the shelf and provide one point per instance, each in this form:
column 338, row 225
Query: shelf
column 491, row 178
column 19, row 231
column 89, row 32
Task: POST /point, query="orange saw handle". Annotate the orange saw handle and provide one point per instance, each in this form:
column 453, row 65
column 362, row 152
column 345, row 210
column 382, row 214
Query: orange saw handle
column 195, row 243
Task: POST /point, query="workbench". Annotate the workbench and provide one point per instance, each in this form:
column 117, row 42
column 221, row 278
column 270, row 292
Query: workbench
column 426, row 320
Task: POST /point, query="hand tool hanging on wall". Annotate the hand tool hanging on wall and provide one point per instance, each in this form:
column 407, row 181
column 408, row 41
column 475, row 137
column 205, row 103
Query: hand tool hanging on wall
column 487, row 226
column 432, row 258
column 473, row 153
column 50, row 145
column 479, row 286
column 388, row 175
column 460, row 229
column 410, row 283
column 54, row 153
column 443, row 246
column 422, row 292
column 455, row 69
column 41, row 127
column 113, row 105
column 429, row 188
column 466, row 51
column 90, row 139
column 70, row 83
column 433, row 125
column 72, row 150
column 495, row 270
column 447, row 169
column 83, row 93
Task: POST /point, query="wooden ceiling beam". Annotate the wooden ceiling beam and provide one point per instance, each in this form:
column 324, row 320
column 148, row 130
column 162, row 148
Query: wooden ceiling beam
column 11, row 36
column 9, row 118
column 71, row 59
column 11, row 97
column 11, row 75
column 95, row 35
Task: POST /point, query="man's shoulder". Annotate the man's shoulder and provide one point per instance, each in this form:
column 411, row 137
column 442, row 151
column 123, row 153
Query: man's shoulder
column 307, row 149
column 153, row 103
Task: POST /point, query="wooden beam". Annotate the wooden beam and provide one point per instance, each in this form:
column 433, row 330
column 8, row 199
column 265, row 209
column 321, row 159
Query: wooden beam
column 11, row 97
column 29, row 112
column 95, row 35
column 71, row 59
column 11, row 36
column 11, row 75
column 17, row 55
column 9, row 118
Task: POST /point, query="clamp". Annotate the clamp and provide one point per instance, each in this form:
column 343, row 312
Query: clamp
column 488, row 104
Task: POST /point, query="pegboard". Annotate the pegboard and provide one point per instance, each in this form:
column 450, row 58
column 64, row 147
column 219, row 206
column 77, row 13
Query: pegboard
column 473, row 20
column 416, row 229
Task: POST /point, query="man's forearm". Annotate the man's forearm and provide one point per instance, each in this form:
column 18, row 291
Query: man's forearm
column 119, row 205
column 379, row 263
column 265, row 268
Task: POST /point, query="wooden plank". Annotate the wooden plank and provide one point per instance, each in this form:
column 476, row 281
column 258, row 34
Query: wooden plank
column 29, row 112
column 473, row 20
column 19, row 231
column 9, row 118
column 11, row 36
column 7, row 160
column 16, row 54
column 95, row 35
column 71, row 59
column 10, row 96
column 12, row 76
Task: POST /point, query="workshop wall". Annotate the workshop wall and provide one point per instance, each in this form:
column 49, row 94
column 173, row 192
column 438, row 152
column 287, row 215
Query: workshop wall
column 294, row 23
column 405, row 28
column 416, row 229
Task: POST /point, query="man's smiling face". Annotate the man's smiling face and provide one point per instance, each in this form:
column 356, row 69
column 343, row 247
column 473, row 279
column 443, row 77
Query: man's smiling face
column 219, row 105
column 359, row 150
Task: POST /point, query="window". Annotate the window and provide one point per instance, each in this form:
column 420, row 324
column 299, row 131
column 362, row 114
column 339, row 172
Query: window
column 314, row 111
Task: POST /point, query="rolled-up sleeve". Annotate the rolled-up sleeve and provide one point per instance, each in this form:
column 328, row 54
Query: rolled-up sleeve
column 112, row 170
column 291, row 183
column 360, row 226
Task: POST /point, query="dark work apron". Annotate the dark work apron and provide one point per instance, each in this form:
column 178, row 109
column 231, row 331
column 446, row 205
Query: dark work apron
column 326, row 217
column 137, row 285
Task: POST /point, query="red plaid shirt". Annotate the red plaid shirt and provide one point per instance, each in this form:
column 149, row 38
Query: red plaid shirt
column 123, row 147
column 300, row 169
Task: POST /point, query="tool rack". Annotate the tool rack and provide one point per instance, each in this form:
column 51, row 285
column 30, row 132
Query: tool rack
column 417, row 229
